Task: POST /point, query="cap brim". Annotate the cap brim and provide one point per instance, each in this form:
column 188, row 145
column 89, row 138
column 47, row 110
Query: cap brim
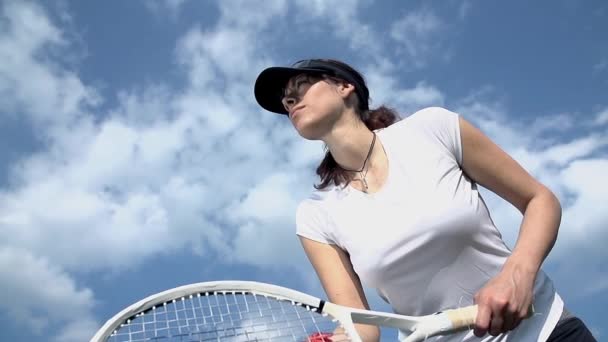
column 270, row 85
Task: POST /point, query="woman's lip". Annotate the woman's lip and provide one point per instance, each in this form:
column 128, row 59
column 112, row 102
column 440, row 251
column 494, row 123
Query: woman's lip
column 296, row 110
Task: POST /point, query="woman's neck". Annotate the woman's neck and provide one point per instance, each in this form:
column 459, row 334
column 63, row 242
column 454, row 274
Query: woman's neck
column 349, row 143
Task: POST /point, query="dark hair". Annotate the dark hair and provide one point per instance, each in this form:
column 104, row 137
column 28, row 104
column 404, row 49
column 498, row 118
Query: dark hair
column 329, row 171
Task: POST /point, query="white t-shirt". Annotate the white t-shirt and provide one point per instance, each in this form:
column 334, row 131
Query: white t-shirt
column 426, row 240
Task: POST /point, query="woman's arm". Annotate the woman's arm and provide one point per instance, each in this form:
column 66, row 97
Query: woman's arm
column 505, row 300
column 341, row 283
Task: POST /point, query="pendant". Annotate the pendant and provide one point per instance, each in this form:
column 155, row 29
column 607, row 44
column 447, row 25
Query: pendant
column 365, row 187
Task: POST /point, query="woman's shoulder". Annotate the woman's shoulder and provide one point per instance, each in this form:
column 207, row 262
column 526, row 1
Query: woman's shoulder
column 423, row 120
column 425, row 116
column 324, row 199
column 317, row 205
column 326, row 195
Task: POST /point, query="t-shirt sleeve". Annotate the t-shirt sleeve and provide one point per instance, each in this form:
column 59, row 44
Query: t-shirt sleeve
column 443, row 127
column 312, row 223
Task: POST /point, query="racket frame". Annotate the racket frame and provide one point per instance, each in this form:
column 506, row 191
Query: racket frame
column 420, row 327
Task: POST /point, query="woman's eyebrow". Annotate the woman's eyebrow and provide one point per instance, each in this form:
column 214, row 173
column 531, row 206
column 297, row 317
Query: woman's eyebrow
column 293, row 84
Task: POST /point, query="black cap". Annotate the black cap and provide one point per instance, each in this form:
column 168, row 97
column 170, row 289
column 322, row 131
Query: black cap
column 271, row 82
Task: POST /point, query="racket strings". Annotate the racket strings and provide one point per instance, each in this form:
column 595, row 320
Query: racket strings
column 225, row 316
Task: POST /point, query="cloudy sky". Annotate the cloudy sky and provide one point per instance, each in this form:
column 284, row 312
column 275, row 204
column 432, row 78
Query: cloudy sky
column 133, row 157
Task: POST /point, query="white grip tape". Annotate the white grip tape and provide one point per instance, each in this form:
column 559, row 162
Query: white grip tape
column 462, row 317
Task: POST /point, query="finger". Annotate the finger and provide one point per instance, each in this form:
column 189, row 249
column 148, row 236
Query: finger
column 320, row 337
column 339, row 335
column 339, row 338
column 482, row 322
column 509, row 322
column 518, row 317
column 496, row 324
column 501, row 316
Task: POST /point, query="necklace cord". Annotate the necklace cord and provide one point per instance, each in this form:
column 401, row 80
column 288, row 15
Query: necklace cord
column 369, row 153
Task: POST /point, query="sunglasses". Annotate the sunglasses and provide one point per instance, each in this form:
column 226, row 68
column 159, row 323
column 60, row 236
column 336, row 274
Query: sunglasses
column 297, row 88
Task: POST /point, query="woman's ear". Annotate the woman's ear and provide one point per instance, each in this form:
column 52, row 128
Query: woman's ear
column 347, row 92
column 346, row 89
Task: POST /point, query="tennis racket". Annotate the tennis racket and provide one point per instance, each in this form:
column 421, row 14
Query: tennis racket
column 250, row 311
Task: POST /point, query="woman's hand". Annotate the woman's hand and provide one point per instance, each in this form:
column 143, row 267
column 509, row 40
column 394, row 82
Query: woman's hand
column 336, row 336
column 320, row 337
column 504, row 301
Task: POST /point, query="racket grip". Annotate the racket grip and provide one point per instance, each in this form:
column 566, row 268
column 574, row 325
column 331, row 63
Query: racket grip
column 462, row 317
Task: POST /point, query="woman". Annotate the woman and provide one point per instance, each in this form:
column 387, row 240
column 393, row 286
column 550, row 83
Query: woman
column 397, row 208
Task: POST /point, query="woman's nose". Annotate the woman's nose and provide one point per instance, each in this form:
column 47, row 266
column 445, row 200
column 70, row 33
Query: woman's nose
column 290, row 102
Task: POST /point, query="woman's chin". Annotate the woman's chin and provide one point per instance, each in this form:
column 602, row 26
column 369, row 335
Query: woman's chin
column 309, row 134
column 305, row 130
column 309, row 127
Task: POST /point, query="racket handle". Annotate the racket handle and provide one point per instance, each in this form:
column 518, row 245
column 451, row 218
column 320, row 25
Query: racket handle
column 462, row 317
column 465, row 317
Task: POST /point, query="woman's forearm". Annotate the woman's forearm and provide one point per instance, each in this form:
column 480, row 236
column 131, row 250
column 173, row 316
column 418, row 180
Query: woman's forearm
column 538, row 232
column 368, row 333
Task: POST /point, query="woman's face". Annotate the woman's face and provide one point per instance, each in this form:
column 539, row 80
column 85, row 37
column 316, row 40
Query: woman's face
column 314, row 103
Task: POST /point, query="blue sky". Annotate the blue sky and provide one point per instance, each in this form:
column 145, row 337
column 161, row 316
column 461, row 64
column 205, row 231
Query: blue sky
column 133, row 157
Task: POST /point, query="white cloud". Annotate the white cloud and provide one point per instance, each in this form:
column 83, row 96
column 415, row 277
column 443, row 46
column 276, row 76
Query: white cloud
column 165, row 7
column 464, row 9
column 599, row 285
column 601, row 118
column 385, row 89
column 600, row 66
column 200, row 167
column 572, row 169
column 417, row 32
column 264, row 218
column 159, row 167
column 573, row 150
column 346, row 23
column 47, row 295
column 584, row 218
column 29, row 35
column 553, row 124
column 491, row 117
column 250, row 16
column 77, row 331
column 36, row 294
column 264, row 202
column 224, row 55
column 422, row 95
